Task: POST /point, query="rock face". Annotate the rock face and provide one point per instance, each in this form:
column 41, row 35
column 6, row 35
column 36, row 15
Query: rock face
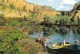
column 76, row 6
column 75, row 14
column 21, row 9
column 76, row 11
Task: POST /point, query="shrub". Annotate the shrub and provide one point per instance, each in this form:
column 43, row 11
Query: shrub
column 8, row 40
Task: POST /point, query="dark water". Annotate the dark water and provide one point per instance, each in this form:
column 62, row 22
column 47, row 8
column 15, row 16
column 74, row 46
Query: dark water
column 53, row 36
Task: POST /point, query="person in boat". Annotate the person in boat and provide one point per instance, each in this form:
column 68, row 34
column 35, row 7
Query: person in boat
column 51, row 41
column 64, row 42
column 76, row 44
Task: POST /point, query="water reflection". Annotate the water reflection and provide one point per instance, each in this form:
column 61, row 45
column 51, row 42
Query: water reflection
column 53, row 35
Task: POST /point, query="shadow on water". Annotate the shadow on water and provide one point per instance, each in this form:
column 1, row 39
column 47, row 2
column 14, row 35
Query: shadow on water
column 52, row 31
column 64, row 50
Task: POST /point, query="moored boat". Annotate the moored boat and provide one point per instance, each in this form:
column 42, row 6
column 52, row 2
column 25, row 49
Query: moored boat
column 63, row 49
column 59, row 45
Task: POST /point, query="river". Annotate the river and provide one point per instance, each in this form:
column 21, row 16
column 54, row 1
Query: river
column 53, row 36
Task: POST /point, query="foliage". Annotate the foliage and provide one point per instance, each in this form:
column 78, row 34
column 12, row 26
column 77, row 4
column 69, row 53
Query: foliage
column 58, row 19
column 15, row 13
column 30, row 46
column 13, row 22
column 21, row 8
column 11, row 35
column 76, row 6
column 8, row 40
column 1, row 15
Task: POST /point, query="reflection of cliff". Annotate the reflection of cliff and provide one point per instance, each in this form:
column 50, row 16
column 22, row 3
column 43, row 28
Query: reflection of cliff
column 48, row 31
column 76, row 29
column 52, row 31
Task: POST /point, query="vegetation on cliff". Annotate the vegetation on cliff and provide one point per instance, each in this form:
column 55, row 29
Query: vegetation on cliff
column 17, row 14
column 15, row 41
column 66, row 18
column 23, row 9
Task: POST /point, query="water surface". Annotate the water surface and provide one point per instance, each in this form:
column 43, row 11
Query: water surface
column 53, row 36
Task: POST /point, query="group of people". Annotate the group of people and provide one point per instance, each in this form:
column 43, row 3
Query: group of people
column 75, row 44
column 42, row 41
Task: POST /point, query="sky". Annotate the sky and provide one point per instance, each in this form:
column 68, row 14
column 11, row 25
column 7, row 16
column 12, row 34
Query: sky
column 62, row 5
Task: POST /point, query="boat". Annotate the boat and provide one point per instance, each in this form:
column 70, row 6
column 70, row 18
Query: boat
column 63, row 49
column 59, row 45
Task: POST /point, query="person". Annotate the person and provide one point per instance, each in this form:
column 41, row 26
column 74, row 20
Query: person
column 44, row 45
column 43, row 40
column 51, row 42
column 39, row 39
column 64, row 42
column 76, row 44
